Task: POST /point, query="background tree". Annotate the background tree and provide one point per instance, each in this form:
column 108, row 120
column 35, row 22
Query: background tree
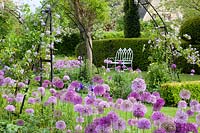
column 187, row 7
column 86, row 13
column 131, row 19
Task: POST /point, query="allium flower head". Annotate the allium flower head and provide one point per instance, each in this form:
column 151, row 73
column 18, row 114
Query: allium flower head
column 10, row 108
column 182, row 104
column 66, row 78
column 185, row 94
column 193, row 102
column 20, row 122
column 29, row 111
column 132, row 122
column 41, row 90
column 159, row 104
column 146, row 97
column 138, row 85
column 90, row 128
column 99, row 90
column 157, row 116
column 97, row 79
column 52, row 99
column 144, row 123
column 127, row 106
column 119, row 125
column 21, row 85
column 78, row 128
column 181, row 117
column 173, row 66
column 169, row 126
column 60, row 125
column 190, row 112
column 58, row 83
column 113, row 116
column 160, row 130
column 139, row 110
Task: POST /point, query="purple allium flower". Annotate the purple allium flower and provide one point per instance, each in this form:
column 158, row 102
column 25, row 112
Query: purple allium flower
column 144, row 123
column 138, row 85
column 138, row 70
column 106, row 87
column 4, row 96
column 74, row 84
column 19, row 98
column 21, row 85
column 104, row 104
column 108, row 70
column 173, row 66
column 97, row 79
column 80, row 119
column 135, row 95
column 37, row 78
column 191, row 128
column 41, row 90
column 52, row 99
column 132, row 122
column 10, row 108
column 113, row 116
column 169, row 126
column 99, row 90
column 35, row 94
column 193, row 103
column 31, row 100
column 78, row 128
column 58, row 83
column 181, row 117
column 60, row 125
column 158, row 105
column 157, row 94
column 189, row 112
column 10, row 99
column 66, row 78
column 119, row 125
column 153, row 99
column 52, row 91
column 146, row 97
column 160, row 130
column 119, row 100
column 90, row 128
column 182, row 104
column 104, row 122
column 139, row 110
column 185, row 94
column 132, row 99
column 198, row 119
column 29, row 111
column 77, row 100
column 79, row 108
column 126, row 106
column 157, row 116
column 20, row 122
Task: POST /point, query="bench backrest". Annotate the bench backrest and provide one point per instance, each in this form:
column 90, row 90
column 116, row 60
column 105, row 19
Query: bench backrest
column 124, row 54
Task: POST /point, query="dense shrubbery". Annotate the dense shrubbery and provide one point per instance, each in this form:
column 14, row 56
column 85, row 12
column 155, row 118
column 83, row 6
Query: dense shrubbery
column 191, row 27
column 68, row 44
column 156, row 75
column 170, row 91
column 103, row 49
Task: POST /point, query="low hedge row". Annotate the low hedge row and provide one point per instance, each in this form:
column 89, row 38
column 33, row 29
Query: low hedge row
column 103, row 49
column 170, row 91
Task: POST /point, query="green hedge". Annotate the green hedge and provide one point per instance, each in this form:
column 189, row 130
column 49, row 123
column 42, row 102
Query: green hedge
column 68, row 44
column 103, row 49
column 191, row 26
column 170, row 91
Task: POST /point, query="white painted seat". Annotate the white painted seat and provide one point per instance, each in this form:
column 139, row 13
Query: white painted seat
column 123, row 56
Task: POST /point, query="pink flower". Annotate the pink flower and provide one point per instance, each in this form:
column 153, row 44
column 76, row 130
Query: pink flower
column 185, row 94
column 10, row 108
column 60, row 125
column 29, row 111
column 138, row 85
column 41, row 90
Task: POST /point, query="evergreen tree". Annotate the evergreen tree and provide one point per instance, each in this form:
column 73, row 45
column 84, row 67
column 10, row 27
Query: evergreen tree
column 131, row 19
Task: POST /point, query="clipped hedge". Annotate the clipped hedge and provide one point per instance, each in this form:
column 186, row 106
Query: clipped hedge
column 103, row 49
column 191, row 26
column 170, row 91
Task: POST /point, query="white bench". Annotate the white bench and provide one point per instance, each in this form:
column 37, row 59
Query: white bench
column 122, row 57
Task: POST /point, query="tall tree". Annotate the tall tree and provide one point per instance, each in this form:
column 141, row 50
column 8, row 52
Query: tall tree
column 131, row 19
column 86, row 13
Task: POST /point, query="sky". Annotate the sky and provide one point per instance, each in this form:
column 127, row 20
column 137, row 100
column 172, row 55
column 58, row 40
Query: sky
column 33, row 3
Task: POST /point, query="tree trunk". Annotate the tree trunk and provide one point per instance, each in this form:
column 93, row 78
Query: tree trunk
column 88, row 43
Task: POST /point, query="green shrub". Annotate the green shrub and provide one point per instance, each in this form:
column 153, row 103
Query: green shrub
column 170, row 91
column 156, row 75
column 191, row 27
column 108, row 35
column 68, row 45
column 103, row 49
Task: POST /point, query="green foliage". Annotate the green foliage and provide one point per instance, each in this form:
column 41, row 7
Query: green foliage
column 108, row 35
column 103, row 49
column 68, row 44
column 157, row 74
column 131, row 19
column 191, row 27
column 170, row 91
